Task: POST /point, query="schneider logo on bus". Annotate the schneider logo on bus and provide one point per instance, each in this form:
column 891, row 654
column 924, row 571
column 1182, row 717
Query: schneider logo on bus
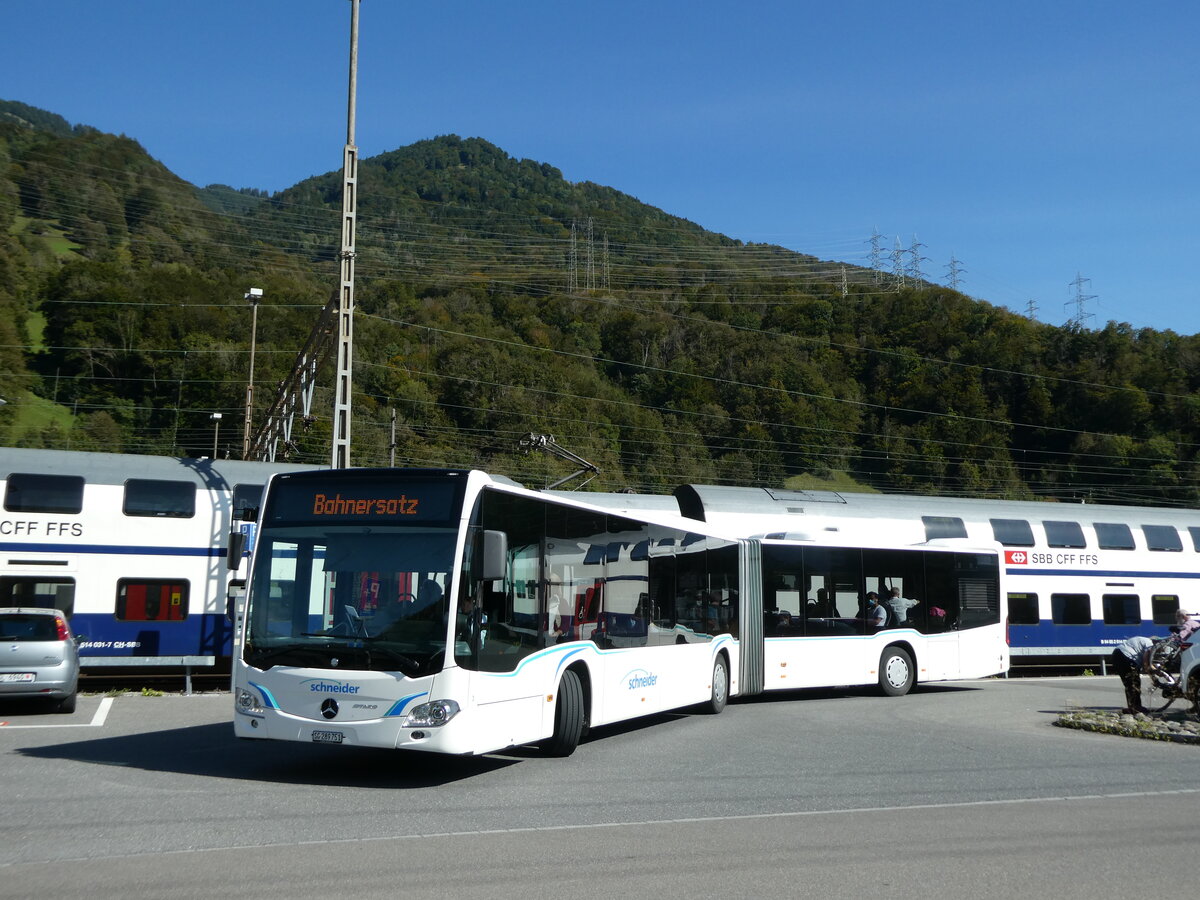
column 333, row 687
column 640, row 678
column 338, row 505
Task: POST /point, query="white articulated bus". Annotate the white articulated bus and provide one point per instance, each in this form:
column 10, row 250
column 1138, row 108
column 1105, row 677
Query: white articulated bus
column 457, row 612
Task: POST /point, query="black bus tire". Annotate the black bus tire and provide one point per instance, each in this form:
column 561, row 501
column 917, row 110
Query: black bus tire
column 568, row 718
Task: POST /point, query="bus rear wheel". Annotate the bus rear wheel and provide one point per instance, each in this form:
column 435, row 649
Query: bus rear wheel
column 720, row 687
column 896, row 673
column 568, row 718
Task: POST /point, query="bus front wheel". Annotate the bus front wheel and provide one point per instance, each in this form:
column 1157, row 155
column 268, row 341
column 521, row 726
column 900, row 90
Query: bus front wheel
column 568, row 718
column 896, row 673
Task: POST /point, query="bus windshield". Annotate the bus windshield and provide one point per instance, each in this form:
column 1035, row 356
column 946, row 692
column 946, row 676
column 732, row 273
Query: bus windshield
column 350, row 597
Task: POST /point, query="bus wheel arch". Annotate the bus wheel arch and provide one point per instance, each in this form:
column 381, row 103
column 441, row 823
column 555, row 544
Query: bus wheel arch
column 897, row 670
column 570, row 714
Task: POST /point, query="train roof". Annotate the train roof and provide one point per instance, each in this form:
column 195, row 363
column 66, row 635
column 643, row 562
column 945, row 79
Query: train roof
column 117, row 468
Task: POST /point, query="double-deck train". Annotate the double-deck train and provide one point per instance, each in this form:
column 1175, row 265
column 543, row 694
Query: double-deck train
column 133, row 548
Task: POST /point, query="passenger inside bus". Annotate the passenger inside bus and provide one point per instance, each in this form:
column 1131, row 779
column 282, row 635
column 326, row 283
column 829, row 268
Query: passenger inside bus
column 876, row 615
column 899, row 607
column 428, row 593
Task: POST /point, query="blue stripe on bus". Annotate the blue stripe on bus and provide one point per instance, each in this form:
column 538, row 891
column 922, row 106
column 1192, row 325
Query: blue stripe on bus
column 268, row 698
column 112, row 549
column 397, row 708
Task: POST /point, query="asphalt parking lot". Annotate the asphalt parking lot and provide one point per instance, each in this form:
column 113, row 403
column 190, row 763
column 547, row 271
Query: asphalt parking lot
column 153, row 796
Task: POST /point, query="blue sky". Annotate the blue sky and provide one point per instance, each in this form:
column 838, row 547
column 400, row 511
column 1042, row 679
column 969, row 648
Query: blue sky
column 1031, row 141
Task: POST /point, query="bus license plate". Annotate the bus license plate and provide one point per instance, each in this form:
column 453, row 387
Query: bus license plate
column 16, row 677
column 327, row 737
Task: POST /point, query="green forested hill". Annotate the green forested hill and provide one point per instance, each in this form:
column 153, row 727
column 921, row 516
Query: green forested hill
column 495, row 298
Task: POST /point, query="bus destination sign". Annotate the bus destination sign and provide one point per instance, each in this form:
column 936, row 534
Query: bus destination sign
column 362, row 500
column 337, row 505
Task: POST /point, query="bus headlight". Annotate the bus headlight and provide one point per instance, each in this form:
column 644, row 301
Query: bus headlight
column 247, row 704
column 431, row 715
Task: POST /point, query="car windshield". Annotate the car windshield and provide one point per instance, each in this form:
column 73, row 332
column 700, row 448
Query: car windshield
column 350, row 598
column 27, row 627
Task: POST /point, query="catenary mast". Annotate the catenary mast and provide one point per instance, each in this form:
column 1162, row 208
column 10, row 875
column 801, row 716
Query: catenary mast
column 345, row 313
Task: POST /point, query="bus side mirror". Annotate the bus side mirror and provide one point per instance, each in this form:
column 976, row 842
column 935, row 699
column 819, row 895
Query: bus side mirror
column 234, row 550
column 492, row 556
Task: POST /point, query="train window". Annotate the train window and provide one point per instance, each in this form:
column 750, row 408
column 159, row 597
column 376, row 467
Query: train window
column 1163, row 607
column 169, row 499
column 1162, row 537
column 1064, row 534
column 1012, row 532
column 943, row 527
column 1023, row 609
column 27, row 492
column 46, row 593
column 1071, row 609
column 1114, row 536
column 246, row 496
column 1195, row 533
column 1122, row 609
column 152, row 600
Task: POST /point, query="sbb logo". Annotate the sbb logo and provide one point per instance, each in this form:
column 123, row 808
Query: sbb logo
column 1016, row 557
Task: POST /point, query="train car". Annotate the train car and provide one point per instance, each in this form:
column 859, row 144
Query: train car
column 132, row 548
column 1081, row 577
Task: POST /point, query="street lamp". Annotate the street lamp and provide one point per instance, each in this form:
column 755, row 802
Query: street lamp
column 216, row 417
column 253, row 296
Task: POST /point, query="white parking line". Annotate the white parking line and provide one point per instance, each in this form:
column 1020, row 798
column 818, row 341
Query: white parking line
column 97, row 720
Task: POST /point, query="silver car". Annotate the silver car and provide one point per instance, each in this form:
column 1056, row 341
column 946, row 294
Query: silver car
column 39, row 656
